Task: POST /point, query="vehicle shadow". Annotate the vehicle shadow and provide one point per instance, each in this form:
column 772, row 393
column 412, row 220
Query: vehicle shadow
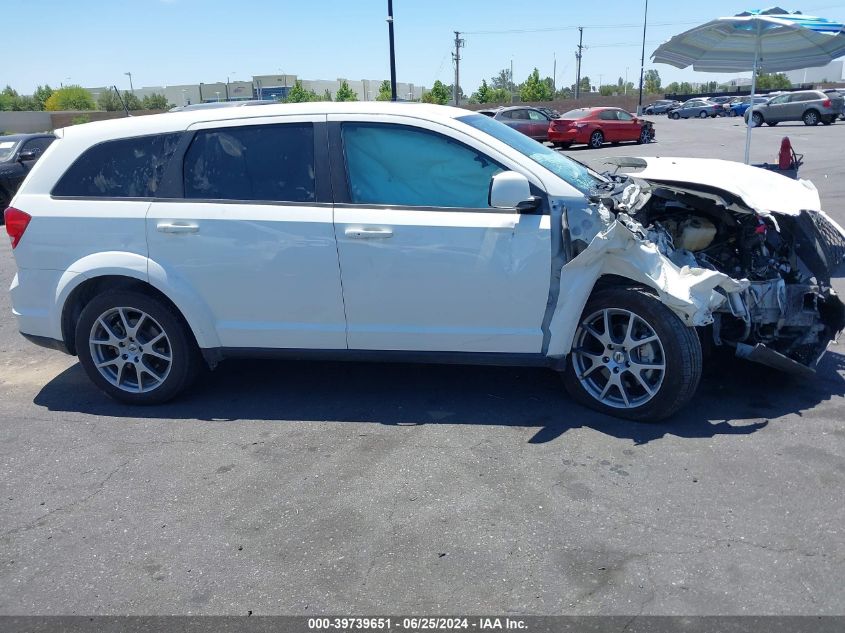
column 735, row 397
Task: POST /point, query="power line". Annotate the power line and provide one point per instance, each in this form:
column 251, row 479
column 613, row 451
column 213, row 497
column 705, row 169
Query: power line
column 553, row 29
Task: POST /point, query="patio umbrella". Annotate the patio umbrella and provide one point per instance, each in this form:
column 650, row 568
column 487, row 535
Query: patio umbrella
column 772, row 40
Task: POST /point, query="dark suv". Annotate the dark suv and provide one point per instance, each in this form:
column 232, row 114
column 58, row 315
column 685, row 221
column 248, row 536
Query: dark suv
column 18, row 153
column 810, row 106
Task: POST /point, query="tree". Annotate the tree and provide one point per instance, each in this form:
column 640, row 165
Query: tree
column 70, row 98
column 438, row 94
column 685, row 88
column 534, row 89
column 384, row 91
column 482, row 95
column 109, row 101
column 155, row 102
column 608, row 90
column 503, row 80
column 345, row 93
column 773, row 82
column 132, row 102
column 327, row 96
column 673, row 88
column 651, row 82
column 298, row 94
column 500, row 95
column 585, row 85
column 41, row 94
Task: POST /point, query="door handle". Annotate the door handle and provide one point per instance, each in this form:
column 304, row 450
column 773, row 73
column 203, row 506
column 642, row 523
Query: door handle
column 177, row 227
column 368, row 234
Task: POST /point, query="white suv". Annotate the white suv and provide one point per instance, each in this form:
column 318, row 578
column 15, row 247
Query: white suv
column 149, row 245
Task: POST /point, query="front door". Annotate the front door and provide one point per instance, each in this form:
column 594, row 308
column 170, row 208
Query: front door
column 252, row 235
column 426, row 263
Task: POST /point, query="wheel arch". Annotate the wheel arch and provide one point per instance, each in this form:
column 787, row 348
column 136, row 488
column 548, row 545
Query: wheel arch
column 78, row 288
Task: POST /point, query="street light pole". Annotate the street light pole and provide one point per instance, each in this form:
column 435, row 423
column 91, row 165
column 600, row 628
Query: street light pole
column 642, row 60
column 392, row 51
column 131, row 89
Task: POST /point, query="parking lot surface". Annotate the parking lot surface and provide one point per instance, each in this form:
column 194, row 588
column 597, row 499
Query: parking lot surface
column 309, row 488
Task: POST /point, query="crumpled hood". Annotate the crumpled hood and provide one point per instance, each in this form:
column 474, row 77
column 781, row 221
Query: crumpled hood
column 760, row 189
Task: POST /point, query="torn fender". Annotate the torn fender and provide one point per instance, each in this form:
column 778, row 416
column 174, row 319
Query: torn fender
column 688, row 292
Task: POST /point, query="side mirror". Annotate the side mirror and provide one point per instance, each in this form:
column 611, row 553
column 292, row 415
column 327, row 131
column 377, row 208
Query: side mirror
column 511, row 190
column 28, row 154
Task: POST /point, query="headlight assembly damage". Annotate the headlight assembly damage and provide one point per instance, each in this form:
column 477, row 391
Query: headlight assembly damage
column 758, row 281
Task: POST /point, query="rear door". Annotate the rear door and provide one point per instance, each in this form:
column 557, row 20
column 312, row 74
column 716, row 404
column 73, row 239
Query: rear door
column 539, row 125
column 427, row 264
column 250, row 232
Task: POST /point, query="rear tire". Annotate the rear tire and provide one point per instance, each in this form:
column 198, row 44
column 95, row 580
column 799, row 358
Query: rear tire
column 703, row 115
column 811, row 117
column 772, row 123
column 645, row 368
column 135, row 348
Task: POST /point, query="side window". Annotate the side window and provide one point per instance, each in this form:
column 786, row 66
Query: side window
column 607, row 115
column 803, row 96
column 520, row 115
column 780, row 99
column 394, row 164
column 38, row 144
column 623, row 116
column 258, row 162
column 506, row 115
column 125, row 168
column 537, row 116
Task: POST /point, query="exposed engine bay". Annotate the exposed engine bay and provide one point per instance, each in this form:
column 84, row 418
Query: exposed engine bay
column 784, row 312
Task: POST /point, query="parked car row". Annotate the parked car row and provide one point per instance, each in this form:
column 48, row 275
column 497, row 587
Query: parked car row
column 810, row 106
column 583, row 126
column 18, row 153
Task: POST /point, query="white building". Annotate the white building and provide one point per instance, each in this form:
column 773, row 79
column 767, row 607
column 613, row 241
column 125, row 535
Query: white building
column 834, row 72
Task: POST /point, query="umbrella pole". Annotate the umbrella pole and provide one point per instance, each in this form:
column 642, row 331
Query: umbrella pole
column 751, row 105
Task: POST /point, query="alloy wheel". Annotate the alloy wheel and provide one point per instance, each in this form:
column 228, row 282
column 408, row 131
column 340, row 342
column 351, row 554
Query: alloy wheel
column 130, row 349
column 618, row 358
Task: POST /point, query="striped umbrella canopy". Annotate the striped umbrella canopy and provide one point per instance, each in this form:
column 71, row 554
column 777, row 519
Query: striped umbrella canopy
column 776, row 39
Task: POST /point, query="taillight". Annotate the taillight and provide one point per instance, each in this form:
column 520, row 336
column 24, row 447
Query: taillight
column 826, row 103
column 16, row 223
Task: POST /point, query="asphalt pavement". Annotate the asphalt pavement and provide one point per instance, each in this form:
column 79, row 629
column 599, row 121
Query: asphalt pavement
column 310, row 488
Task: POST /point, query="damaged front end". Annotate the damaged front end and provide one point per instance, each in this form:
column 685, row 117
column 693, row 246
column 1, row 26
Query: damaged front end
column 781, row 309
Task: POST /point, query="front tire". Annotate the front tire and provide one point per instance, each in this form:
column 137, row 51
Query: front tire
column 703, row 115
column 675, row 115
column 645, row 136
column 632, row 357
column 596, row 139
column 135, row 348
column 756, row 119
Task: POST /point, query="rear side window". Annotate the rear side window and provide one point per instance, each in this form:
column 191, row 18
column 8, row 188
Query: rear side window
column 262, row 162
column 125, row 168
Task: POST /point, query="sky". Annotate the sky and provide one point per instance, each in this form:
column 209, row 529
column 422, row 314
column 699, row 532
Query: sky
column 162, row 42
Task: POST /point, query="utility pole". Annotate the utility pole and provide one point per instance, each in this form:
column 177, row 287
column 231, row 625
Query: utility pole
column 554, row 76
column 511, row 81
column 578, row 62
column 456, row 57
column 131, row 88
column 642, row 61
column 392, row 51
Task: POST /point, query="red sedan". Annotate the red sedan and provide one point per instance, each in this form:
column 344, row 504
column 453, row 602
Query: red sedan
column 596, row 126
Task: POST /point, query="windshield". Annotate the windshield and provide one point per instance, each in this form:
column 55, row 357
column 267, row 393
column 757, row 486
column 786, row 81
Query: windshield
column 576, row 174
column 7, row 149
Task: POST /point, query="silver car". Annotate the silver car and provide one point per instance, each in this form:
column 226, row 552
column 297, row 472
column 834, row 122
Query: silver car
column 810, row 106
column 698, row 108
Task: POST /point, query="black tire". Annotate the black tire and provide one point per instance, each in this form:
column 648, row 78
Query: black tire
column 757, row 119
column 828, row 120
column 184, row 355
column 703, row 114
column 645, row 136
column 679, row 347
column 811, row 118
column 772, row 123
column 596, row 139
column 561, row 145
column 675, row 115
